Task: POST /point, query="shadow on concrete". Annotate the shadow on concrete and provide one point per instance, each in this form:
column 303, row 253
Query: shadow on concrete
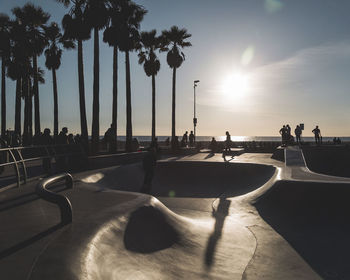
column 314, row 219
column 220, row 215
column 149, row 230
column 13, row 249
column 210, row 155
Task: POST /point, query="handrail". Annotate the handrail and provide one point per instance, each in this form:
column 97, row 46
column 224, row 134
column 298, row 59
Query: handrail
column 45, row 151
column 61, row 200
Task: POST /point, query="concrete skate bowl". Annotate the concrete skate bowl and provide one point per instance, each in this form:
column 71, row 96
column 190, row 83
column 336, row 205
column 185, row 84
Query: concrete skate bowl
column 190, row 179
column 329, row 160
column 314, row 219
column 146, row 241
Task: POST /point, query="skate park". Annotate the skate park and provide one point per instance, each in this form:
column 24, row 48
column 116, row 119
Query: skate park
column 207, row 217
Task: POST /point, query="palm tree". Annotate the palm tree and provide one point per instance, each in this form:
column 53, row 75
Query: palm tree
column 97, row 18
column 19, row 69
column 53, row 61
column 76, row 29
column 149, row 43
column 131, row 16
column 34, row 18
column 173, row 40
column 4, row 55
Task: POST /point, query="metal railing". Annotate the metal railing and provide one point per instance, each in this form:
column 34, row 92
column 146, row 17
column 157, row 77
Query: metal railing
column 20, row 157
column 58, row 199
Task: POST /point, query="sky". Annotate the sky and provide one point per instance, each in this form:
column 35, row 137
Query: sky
column 261, row 64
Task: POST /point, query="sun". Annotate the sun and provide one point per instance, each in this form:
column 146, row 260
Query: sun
column 236, row 84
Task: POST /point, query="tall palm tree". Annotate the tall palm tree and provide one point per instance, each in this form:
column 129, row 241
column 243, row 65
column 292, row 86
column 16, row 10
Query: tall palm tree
column 19, row 69
column 111, row 36
column 76, row 29
column 131, row 16
column 97, row 18
column 148, row 45
column 34, row 18
column 17, row 66
column 4, row 55
column 53, row 61
column 173, row 41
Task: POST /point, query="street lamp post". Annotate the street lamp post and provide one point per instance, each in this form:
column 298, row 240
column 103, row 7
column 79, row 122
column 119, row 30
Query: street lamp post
column 194, row 108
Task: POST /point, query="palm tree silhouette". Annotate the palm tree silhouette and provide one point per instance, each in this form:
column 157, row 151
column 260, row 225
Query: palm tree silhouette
column 17, row 66
column 131, row 17
column 110, row 36
column 5, row 56
column 19, row 69
column 149, row 43
column 173, row 41
column 53, row 61
column 97, row 18
column 75, row 28
column 34, row 18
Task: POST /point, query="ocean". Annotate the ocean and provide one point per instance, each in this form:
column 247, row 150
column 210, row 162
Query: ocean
column 143, row 138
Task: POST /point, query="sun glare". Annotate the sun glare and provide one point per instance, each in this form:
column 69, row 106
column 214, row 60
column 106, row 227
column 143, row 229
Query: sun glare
column 236, row 85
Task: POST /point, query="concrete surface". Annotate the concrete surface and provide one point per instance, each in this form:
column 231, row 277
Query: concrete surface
column 208, row 217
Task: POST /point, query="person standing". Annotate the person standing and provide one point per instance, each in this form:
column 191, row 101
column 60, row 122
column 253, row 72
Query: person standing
column 149, row 163
column 228, row 142
column 283, row 133
column 317, row 132
column 191, row 138
column 185, row 138
column 47, row 140
column 298, row 133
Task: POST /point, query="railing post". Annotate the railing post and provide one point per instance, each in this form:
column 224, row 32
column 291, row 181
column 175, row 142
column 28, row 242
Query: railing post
column 58, row 199
column 16, row 168
column 23, row 165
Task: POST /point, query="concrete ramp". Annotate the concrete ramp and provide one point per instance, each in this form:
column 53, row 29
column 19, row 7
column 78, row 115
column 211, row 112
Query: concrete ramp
column 314, row 219
column 294, row 156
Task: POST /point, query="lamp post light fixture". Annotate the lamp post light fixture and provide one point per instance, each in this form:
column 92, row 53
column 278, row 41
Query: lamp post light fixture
column 194, row 108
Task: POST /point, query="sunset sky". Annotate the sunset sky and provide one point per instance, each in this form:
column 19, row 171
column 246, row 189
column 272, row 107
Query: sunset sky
column 260, row 63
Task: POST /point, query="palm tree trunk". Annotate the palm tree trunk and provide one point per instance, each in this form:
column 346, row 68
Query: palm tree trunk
column 36, row 97
column 128, row 144
column 30, row 112
column 96, row 99
column 3, row 98
column 26, row 109
column 83, row 122
column 18, row 107
column 173, row 131
column 153, row 108
column 115, row 99
column 55, row 104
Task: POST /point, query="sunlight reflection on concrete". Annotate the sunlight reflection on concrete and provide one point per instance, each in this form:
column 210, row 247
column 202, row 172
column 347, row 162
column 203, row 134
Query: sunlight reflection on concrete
column 94, row 178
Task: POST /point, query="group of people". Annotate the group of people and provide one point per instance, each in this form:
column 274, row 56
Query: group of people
column 187, row 140
column 287, row 137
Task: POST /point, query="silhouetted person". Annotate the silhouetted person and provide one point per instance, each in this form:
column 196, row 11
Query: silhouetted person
column 61, row 159
column 47, row 140
column 16, row 140
column 191, row 138
column 154, row 144
column 183, row 143
column 338, row 141
column 71, row 139
column 185, row 138
column 149, row 163
column 167, row 141
column 135, row 144
column 317, row 132
column 283, row 133
column 77, row 139
column 213, row 146
column 298, row 133
column 227, row 142
column 109, row 138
